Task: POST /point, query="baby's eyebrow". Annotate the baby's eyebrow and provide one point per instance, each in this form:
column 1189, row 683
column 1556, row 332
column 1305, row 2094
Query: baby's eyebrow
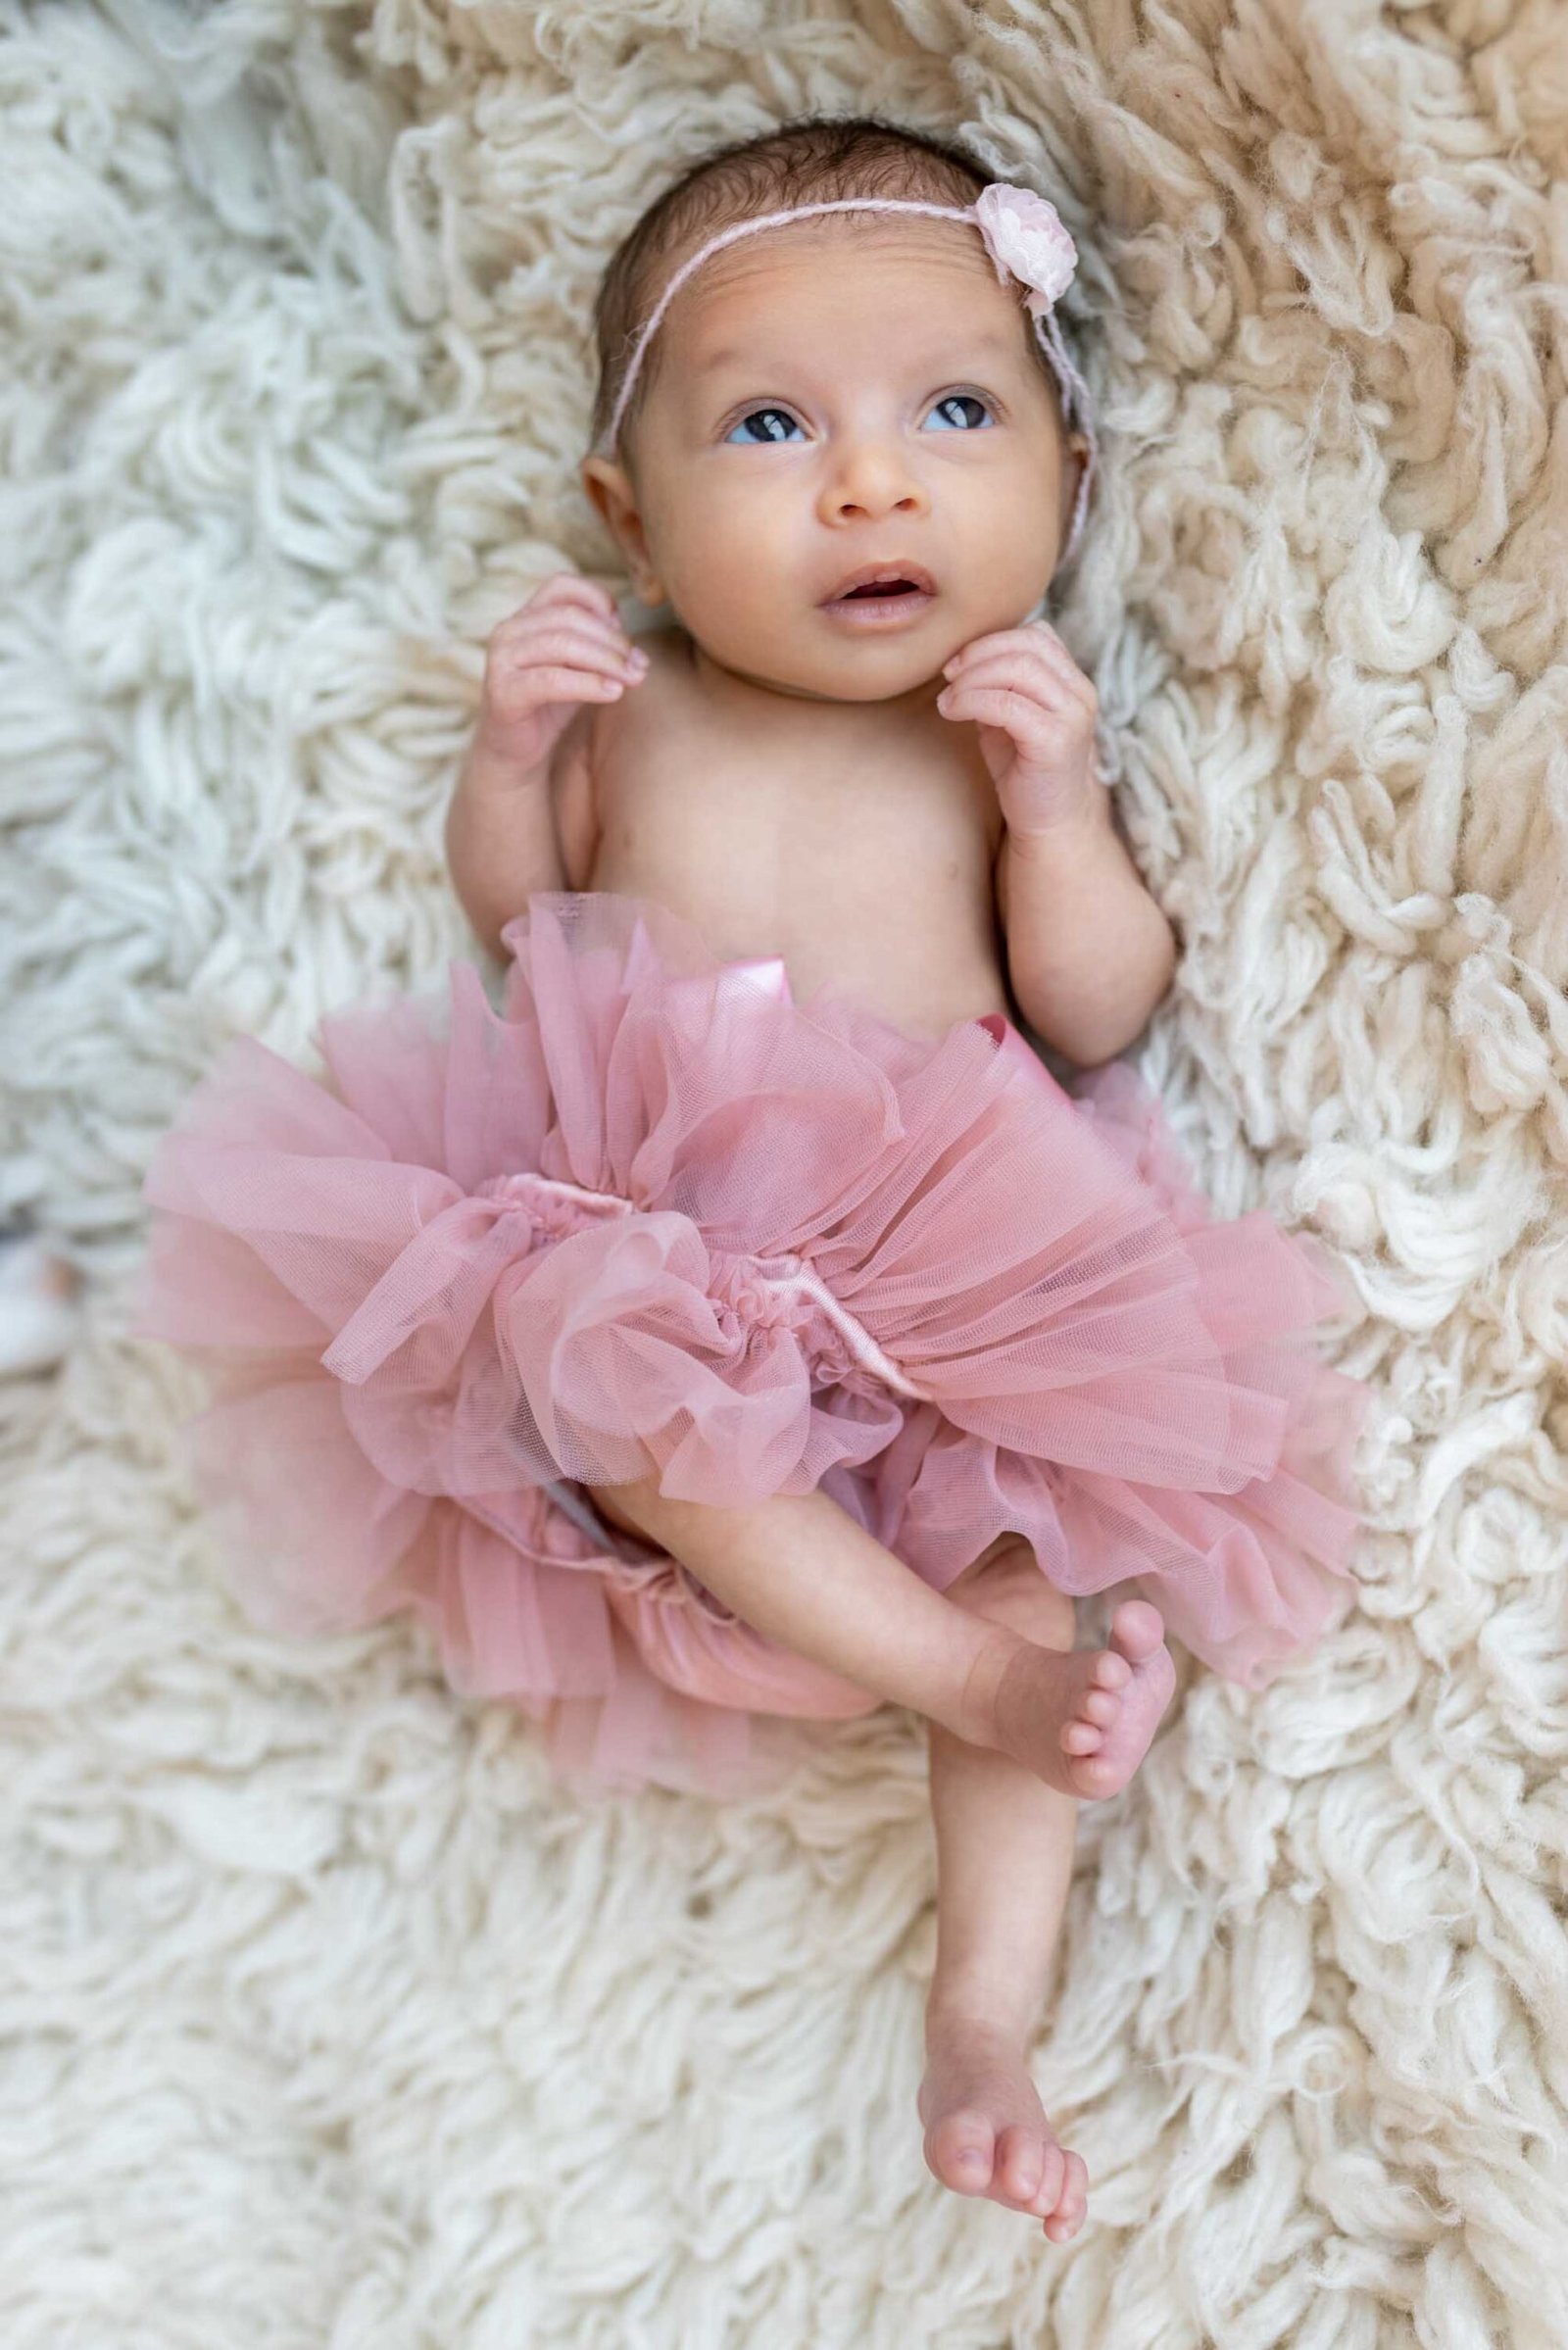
column 986, row 344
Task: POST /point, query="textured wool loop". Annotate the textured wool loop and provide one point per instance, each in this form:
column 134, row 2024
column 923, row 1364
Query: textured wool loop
column 328, row 2015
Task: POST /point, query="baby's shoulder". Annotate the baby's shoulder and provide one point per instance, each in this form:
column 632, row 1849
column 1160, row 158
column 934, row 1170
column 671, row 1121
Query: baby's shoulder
column 604, row 729
column 600, row 724
column 598, row 733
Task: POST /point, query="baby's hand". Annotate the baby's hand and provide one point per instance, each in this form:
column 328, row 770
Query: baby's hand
column 564, row 646
column 1035, row 709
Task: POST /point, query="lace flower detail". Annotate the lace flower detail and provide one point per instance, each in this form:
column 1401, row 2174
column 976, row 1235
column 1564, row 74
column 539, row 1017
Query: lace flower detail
column 1024, row 235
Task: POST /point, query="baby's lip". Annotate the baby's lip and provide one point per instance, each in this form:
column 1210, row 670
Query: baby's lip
column 895, row 569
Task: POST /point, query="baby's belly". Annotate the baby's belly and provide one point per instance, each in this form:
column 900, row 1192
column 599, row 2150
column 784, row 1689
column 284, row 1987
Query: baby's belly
column 919, row 963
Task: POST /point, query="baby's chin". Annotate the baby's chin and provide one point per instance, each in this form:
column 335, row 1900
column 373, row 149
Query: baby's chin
column 839, row 685
column 875, row 669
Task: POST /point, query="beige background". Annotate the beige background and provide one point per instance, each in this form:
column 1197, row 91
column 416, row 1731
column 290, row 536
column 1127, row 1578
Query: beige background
column 323, row 2015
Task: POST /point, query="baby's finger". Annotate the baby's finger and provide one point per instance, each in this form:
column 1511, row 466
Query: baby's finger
column 1046, row 641
column 1035, row 641
column 569, row 640
column 1051, row 696
column 1022, row 669
column 999, row 706
column 1032, row 632
column 1021, row 647
column 571, row 587
column 528, row 627
column 565, row 684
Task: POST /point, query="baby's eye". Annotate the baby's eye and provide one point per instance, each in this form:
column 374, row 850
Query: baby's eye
column 959, row 401
column 774, row 422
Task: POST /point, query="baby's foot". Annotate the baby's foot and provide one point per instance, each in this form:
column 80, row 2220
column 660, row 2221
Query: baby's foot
column 1082, row 1718
column 985, row 2132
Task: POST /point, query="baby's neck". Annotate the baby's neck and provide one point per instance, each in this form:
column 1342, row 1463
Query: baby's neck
column 747, row 696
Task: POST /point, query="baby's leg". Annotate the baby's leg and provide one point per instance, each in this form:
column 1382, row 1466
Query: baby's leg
column 798, row 1569
column 1005, row 1845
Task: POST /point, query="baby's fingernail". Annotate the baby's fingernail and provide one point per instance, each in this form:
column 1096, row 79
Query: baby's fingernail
column 636, row 660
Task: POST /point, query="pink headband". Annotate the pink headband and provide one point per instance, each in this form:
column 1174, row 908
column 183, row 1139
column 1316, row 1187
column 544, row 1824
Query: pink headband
column 1024, row 236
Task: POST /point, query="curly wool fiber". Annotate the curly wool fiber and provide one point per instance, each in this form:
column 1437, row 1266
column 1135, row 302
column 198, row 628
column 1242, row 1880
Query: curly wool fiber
column 327, row 2013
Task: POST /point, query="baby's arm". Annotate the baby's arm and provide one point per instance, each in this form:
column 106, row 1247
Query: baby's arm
column 501, row 840
column 564, row 649
column 1089, row 953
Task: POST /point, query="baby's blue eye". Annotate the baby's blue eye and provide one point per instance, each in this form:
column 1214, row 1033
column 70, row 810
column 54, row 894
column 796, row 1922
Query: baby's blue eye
column 773, row 420
column 954, row 412
column 958, row 399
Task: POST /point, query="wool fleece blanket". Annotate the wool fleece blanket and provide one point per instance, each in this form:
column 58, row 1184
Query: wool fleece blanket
column 325, row 2015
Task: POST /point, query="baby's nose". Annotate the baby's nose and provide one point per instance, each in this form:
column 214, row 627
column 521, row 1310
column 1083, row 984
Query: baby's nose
column 873, row 479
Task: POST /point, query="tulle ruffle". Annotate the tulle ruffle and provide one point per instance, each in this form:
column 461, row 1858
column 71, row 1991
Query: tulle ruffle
column 656, row 1219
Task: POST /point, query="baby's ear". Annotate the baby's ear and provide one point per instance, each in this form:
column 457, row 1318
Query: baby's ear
column 614, row 498
column 1072, row 473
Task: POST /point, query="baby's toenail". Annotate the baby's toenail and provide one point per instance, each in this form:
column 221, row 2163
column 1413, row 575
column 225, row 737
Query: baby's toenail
column 971, row 2159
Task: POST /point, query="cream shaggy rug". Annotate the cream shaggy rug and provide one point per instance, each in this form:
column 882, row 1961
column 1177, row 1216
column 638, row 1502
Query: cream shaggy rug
column 325, row 2017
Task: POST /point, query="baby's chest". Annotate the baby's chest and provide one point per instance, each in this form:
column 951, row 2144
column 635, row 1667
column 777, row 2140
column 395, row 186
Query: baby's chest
column 787, row 842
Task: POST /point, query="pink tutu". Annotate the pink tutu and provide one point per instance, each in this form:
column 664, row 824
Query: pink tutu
column 656, row 1218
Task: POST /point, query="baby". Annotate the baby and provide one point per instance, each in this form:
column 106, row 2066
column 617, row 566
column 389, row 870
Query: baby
column 845, row 465
column 744, row 1324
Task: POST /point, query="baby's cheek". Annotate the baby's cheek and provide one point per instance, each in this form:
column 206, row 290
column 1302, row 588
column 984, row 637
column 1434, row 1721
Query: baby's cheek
column 1011, row 524
column 728, row 577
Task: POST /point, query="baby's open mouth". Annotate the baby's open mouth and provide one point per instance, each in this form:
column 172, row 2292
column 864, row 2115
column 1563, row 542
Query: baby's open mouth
column 887, row 582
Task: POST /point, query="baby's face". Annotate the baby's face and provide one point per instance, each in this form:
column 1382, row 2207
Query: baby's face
column 828, row 402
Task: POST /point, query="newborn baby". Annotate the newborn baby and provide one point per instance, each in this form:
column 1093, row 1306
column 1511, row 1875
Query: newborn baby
column 744, row 1324
column 845, row 467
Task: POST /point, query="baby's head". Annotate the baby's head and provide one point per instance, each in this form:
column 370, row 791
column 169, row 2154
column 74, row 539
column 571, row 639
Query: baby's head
column 822, row 396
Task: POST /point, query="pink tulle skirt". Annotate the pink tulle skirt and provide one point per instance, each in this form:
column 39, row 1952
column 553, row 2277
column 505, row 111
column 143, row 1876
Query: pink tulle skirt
column 656, row 1218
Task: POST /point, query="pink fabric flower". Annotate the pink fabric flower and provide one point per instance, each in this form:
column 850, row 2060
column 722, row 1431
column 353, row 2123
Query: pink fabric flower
column 1023, row 235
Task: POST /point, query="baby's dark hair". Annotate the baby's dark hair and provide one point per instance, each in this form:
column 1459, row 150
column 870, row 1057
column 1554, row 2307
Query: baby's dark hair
column 814, row 159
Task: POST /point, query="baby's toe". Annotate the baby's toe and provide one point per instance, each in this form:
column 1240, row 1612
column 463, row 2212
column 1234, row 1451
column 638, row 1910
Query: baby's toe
column 961, row 2151
column 1029, row 2169
column 1020, row 2162
column 1097, row 1777
column 1080, row 1737
column 1071, row 2203
column 1136, row 1629
column 1110, row 1670
column 1102, row 1706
